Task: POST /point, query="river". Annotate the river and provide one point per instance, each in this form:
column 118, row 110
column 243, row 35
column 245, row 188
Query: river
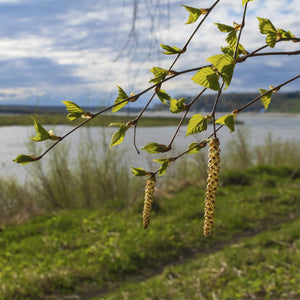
column 14, row 138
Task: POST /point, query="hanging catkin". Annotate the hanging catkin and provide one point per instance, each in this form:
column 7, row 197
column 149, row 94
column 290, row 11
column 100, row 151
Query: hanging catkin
column 212, row 184
column 149, row 192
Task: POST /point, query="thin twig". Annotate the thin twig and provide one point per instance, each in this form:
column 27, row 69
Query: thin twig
column 240, row 33
column 223, row 83
column 192, row 35
column 277, row 53
column 136, row 120
column 188, row 107
column 270, row 91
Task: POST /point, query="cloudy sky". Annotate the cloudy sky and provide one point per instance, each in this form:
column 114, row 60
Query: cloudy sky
column 53, row 50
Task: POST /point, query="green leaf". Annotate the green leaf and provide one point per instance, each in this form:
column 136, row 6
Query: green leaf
column 271, row 39
column 170, row 50
column 156, row 148
column 245, row 1
column 121, row 97
column 195, row 148
column 231, row 39
column 118, row 137
column 208, row 78
column 177, row 106
column 266, row 99
column 227, row 120
column 163, row 96
column 165, row 162
column 225, row 65
column 286, row 34
column 139, row 172
column 228, row 50
column 227, row 73
column 196, row 124
column 266, row 26
column 159, row 74
column 42, row 133
column 74, row 110
column 195, row 13
column 23, row 159
column 224, row 28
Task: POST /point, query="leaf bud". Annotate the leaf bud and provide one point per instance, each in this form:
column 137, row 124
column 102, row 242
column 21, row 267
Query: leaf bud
column 236, row 26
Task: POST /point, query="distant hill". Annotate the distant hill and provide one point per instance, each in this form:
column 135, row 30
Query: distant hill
column 29, row 109
column 281, row 102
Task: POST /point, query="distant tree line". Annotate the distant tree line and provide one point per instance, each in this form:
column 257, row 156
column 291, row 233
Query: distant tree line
column 281, row 102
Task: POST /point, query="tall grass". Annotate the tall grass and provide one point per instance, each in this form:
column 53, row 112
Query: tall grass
column 239, row 154
column 93, row 175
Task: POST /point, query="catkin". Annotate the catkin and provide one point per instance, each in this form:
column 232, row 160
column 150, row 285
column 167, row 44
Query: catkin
column 212, row 184
column 149, row 192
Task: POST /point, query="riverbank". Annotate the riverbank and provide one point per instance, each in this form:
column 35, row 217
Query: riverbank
column 103, row 120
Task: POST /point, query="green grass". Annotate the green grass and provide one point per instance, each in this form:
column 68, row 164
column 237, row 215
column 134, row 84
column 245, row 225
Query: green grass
column 87, row 251
column 265, row 266
column 103, row 120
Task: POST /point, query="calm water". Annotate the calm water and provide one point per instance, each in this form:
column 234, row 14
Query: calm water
column 14, row 138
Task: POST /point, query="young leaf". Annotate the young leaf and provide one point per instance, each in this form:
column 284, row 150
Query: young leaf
column 74, row 110
column 156, row 148
column 231, row 38
column 121, row 97
column 207, row 77
column 165, row 162
column 228, row 50
column 42, row 133
column 245, row 1
column 225, row 65
column 195, row 148
column 286, row 34
column 177, row 106
column 118, row 137
column 139, row 172
column 195, row 13
column 266, row 26
column 196, row 124
column 224, row 28
column 227, row 120
column 163, row 96
column 266, row 99
column 23, row 159
column 170, row 50
column 271, row 39
column 159, row 74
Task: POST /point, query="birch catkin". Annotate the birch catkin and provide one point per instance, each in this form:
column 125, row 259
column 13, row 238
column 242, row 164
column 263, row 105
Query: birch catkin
column 212, row 184
column 149, row 192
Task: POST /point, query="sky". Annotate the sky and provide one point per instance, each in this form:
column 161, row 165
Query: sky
column 54, row 50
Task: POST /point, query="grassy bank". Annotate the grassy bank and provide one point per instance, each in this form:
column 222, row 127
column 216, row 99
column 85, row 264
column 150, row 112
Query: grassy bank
column 265, row 266
column 103, row 120
column 91, row 252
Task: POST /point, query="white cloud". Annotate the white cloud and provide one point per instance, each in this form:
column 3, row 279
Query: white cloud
column 89, row 39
